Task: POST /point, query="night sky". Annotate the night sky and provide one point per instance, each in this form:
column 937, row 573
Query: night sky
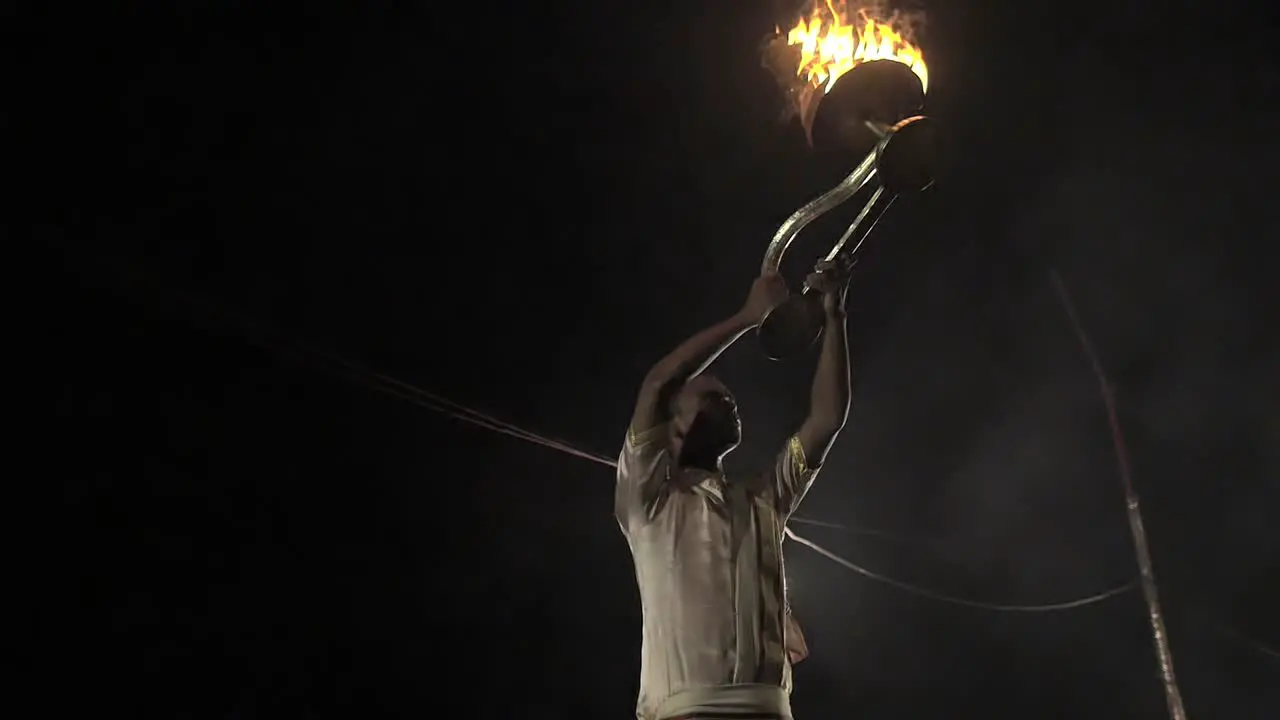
column 521, row 209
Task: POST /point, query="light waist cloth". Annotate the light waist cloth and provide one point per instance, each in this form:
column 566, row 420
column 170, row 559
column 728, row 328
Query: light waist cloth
column 728, row 699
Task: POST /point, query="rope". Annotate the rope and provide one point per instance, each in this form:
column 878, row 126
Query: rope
column 868, row 532
column 930, row 594
column 400, row 389
column 388, row 385
column 1247, row 641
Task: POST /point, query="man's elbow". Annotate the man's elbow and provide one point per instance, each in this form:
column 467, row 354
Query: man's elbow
column 817, row 434
column 830, row 416
column 656, row 391
column 661, row 380
column 826, row 429
column 655, row 384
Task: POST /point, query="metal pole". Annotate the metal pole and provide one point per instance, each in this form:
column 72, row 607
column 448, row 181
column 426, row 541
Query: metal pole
column 1159, row 636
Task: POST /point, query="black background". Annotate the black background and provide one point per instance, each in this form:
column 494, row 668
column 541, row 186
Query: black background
column 523, row 208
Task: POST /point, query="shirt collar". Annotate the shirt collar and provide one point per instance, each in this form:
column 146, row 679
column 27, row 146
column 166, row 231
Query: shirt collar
column 704, row 482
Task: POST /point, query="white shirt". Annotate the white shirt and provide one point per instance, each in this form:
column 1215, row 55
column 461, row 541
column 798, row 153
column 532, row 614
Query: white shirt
column 714, row 619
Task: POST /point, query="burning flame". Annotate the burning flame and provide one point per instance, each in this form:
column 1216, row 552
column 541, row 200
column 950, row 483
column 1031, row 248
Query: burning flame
column 830, row 45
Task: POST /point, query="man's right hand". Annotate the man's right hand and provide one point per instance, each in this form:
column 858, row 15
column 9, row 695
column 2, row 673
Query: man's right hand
column 767, row 292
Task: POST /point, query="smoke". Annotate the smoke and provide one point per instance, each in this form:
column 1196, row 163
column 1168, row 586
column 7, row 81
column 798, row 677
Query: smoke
column 1155, row 248
column 908, row 19
column 781, row 60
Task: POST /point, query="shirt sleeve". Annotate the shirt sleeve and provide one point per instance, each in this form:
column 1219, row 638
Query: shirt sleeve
column 640, row 476
column 792, row 477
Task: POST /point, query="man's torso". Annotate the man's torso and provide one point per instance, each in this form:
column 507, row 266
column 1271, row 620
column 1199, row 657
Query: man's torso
column 709, row 568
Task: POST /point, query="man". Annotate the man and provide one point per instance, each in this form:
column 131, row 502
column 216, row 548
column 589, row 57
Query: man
column 718, row 640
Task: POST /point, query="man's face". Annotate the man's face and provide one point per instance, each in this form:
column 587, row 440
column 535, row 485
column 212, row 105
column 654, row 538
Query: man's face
column 707, row 416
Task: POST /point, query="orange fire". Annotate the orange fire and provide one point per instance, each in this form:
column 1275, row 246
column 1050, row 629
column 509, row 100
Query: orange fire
column 831, row 44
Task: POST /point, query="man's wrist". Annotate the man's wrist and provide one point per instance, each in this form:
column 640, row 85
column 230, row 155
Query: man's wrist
column 743, row 320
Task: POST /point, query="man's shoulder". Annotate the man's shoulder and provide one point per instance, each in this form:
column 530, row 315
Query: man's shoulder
column 654, row 436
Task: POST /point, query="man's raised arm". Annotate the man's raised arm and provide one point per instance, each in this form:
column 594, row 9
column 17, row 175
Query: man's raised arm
column 695, row 354
column 829, row 397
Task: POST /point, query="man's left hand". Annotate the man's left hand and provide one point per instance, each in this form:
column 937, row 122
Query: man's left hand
column 832, row 281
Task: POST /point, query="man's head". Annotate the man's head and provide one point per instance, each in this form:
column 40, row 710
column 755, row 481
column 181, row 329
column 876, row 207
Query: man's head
column 704, row 421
